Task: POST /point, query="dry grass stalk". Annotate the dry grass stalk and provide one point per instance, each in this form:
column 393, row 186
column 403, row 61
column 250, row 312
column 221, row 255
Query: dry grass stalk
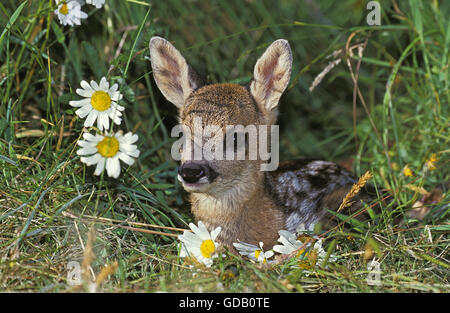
column 89, row 255
column 104, row 219
column 147, row 231
column 354, row 190
column 324, row 72
column 283, row 257
column 108, row 220
column 105, row 272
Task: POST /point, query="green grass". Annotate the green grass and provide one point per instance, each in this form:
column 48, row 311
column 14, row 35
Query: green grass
column 400, row 117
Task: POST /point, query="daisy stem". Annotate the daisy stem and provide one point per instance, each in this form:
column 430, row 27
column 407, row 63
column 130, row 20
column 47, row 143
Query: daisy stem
column 135, row 42
column 100, row 185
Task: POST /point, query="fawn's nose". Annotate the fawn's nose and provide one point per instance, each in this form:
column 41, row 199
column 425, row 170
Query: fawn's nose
column 192, row 172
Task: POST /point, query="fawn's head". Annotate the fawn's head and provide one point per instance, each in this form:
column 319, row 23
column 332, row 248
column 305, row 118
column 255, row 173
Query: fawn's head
column 220, row 105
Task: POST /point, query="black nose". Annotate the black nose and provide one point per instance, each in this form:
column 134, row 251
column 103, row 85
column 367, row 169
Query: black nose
column 192, row 172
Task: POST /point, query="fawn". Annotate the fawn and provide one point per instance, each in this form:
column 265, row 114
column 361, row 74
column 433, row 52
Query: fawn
column 249, row 204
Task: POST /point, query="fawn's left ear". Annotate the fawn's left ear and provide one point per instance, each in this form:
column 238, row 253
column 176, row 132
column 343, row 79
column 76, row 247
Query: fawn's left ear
column 271, row 74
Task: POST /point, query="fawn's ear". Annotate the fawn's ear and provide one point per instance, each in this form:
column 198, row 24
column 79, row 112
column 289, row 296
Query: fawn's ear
column 172, row 74
column 271, row 74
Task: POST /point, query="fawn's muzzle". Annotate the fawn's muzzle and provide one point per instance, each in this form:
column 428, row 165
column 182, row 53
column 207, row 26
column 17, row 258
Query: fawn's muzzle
column 193, row 173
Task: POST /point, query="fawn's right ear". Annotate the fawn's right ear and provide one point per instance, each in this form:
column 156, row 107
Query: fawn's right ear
column 172, row 74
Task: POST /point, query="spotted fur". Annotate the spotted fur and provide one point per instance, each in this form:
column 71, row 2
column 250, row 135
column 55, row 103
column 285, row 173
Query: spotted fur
column 303, row 188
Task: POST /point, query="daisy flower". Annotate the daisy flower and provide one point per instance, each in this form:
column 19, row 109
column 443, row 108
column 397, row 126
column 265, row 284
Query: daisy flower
column 98, row 3
column 100, row 103
column 106, row 151
column 69, row 12
column 310, row 255
column 253, row 252
column 200, row 243
column 289, row 242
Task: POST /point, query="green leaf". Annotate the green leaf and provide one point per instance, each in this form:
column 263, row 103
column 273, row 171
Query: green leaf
column 11, row 22
column 60, row 37
column 93, row 59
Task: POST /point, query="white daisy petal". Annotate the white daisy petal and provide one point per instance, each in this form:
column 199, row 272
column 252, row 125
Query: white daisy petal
column 98, row 3
column 113, row 167
column 130, row 138
column 85, row 93
column 116, row 96
column 215, row 233
column 126, row 158
column 83, row 143
column 103, row 121
column 95, row 86
column 191, row 238
column 113, row 88
column 268, row 254
column 104, row 85
column 90, row 137
column 83, row 111
column 183, row 250
column 87, row 151
column 100, row 166
column 80, row 103
column 282, row 249
column 85, row 85
column 91, row 160
column 113, row 114
column 114, row 110
column 194, row 228
column 203, row 231
column 132, row 151
column 91, row 118
column 117, row 120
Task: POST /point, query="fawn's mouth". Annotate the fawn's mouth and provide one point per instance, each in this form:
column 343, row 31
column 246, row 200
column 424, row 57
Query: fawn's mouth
column 198, row 186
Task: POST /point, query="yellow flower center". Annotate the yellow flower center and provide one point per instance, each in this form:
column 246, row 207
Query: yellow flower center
column 308, row 259
column 100, row 101
column 108, row 147
column 207, row 248
column 299, row 253
column 257, row 253
column 305, row 238
column 64, row 9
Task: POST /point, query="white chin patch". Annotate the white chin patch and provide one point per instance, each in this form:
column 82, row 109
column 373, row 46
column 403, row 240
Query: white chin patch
column 203, row 180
